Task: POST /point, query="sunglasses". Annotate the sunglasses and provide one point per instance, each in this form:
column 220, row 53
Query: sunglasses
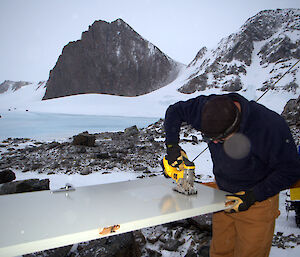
column 221, row 138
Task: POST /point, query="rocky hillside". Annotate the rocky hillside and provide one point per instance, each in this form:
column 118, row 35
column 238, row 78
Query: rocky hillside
column 111, row 58
column 9, row 85
column 268, row 43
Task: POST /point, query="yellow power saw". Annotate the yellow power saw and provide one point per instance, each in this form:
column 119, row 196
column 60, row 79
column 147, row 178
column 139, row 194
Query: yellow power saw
column 183, row 174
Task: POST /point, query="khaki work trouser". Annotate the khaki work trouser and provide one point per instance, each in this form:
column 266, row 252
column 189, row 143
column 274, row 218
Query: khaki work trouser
column 245, row 234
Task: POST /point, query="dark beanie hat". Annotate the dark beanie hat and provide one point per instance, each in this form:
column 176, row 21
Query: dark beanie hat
column 218, row 115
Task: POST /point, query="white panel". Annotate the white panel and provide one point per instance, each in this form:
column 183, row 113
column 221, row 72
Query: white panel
column 36, row 221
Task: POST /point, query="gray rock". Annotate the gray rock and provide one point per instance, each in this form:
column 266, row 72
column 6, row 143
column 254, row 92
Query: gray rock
column 85, row 139
column 153, row 253
column 233, row 85
column 86, row 171
column 291, row 112
column 284, row 242
column 141, row 168
column 172, row 244
column 198, row 83
column 54, row 165
column 35, row 166
column 153, row 238
column 202, row 222
column 52, row 145
column 191, row 253
column 131, row 131
column 7, row 175
column 139, row 238
column 81, row 149
column 178, row 232
column 21, row 186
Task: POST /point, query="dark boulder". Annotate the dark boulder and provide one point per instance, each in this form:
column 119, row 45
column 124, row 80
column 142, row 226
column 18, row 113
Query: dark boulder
column 131, row 131
column 85, row 139
column 291, row 112
column 7, row 176
column 22, row 186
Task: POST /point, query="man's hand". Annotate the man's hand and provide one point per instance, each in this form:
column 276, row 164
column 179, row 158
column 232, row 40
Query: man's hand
column 243, row 200
column 174, row 154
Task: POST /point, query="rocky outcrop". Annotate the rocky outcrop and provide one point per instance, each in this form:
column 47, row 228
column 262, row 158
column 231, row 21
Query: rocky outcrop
column 198, row 83
column 111, row 58
column 272, row 36
column 201, row 53
column 8, row 186
column 85, row 139
column 291, row 113
column 22, row 186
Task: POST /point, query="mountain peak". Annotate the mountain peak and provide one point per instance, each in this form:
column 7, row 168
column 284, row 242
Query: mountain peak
column 267, row 43
column 110, row 58
column 120, row 22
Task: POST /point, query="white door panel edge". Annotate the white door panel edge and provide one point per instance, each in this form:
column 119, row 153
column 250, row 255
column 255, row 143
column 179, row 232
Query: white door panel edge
column 37, row 221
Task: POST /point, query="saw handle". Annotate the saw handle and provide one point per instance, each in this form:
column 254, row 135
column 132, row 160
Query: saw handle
column 187, row 163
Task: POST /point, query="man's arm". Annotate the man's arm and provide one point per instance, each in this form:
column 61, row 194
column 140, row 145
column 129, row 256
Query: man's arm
column 184, row 111
column 283, row 161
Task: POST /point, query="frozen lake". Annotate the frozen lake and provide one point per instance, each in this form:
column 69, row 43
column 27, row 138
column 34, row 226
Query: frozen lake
column 49, row 126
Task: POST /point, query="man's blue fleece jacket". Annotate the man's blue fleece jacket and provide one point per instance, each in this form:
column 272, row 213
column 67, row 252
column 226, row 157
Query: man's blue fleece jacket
column 271, row 165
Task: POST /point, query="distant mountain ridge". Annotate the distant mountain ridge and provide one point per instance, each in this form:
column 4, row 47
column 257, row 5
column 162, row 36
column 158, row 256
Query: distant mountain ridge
column 271, row 38
column 111, row 58
column 12, row 85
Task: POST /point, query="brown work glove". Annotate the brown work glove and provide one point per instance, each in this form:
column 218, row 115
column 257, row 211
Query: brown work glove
column 243, row 200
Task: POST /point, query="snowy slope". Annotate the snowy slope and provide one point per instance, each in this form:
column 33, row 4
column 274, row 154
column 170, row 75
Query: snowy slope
column 153, row 104
column 254, row 57
column 17, row 97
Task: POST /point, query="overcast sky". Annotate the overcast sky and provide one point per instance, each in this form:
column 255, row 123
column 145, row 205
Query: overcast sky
column 34, row 32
